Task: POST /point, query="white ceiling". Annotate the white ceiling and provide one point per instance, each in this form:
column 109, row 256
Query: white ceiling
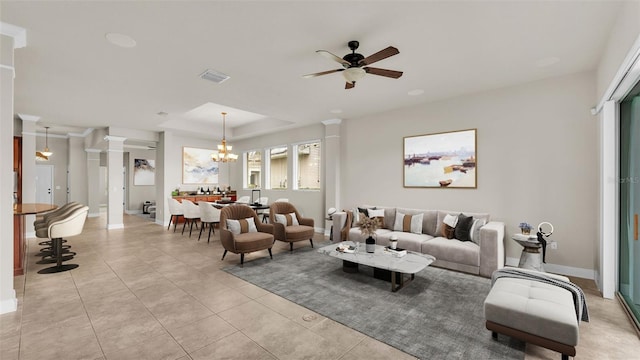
column 71, row 76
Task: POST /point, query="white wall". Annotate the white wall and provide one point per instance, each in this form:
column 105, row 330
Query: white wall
column 138, row 194
column 537, row 161
column 309, row 203
column 60, row 160
column 625, row 31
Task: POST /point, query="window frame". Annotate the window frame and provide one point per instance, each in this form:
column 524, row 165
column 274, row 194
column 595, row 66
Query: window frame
column 245, row 168
column 267, row 165
column 295, row 165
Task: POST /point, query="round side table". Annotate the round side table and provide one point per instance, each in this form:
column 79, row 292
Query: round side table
column 531, row 257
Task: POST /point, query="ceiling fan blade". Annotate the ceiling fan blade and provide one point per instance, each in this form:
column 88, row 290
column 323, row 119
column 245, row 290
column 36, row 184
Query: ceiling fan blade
column 349, row 85
column 321, row 73
column 383, row 72
column 382, row 54
column 333, row 57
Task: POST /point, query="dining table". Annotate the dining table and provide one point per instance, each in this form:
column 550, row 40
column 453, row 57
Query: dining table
column 20, row 211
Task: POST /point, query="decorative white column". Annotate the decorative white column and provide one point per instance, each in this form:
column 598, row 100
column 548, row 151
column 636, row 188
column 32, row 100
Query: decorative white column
column 115, row 182
column 93, row 182
column 29, row 174
column 332, row 166
column 11, row 37
column 77, row 170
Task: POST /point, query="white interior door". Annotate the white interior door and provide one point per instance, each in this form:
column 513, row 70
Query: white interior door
column 44, row 184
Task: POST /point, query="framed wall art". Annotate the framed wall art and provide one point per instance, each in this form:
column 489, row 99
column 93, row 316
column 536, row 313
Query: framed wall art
column 198, row 167
column 442, row 160
column 144, row 172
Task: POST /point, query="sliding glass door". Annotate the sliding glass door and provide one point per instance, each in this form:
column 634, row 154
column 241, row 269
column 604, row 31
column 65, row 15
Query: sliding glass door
column 629, row 272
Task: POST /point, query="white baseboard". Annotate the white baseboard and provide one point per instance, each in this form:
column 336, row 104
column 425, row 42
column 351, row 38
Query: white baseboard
column 133, row 212
column 9, row 305
column 115, row 226
column 559, row 269
column 94, row 214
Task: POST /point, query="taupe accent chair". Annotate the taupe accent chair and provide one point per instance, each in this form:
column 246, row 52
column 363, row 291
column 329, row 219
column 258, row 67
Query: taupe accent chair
column 265, row 214
column 209, row 215
column 290, row 232
column 191, row 215
column 244, row 241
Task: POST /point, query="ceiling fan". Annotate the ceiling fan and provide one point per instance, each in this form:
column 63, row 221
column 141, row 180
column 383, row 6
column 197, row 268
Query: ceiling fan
column 355, row 65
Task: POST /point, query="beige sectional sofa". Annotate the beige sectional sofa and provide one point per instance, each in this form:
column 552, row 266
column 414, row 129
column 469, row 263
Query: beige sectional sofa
column 482, row 256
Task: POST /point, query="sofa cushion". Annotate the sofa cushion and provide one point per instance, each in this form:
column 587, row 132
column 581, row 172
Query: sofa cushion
column 408, row 223
column 474, row 232
column 463, row 226
column 241, row 226
column 287, row 219
column 448, row 232
column 429, row 219
column 442, row 214
column 462, row 252
column 379, row 215
column 356, row 235
column 409, row 241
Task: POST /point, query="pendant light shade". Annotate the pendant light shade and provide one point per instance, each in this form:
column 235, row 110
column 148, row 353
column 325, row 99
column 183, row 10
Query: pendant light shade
column 46, row 151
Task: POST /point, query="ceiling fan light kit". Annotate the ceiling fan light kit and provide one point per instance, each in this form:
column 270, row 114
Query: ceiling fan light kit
column 354, row 67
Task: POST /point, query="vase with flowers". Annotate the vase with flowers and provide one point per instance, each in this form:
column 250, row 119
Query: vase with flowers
column 368, row 227
column 525, row 228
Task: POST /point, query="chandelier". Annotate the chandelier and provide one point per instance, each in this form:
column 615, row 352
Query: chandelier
column 46, row 151
column 224, row 151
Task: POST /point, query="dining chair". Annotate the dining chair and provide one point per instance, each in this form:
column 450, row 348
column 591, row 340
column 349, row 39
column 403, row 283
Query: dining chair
column 209, row 215
column 175, row 209
column 191, row 215
column 243, row 199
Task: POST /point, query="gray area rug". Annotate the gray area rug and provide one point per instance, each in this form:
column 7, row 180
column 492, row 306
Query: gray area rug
column 439, row 315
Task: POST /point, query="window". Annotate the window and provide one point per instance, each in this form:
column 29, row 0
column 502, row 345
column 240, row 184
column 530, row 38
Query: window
column 252, row 169
column 277, row 168
column 307, row 165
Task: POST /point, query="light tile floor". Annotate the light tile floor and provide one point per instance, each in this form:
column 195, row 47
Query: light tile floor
column 147, row 293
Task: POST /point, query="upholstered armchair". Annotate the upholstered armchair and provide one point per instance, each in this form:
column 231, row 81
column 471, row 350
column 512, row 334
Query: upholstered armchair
column 241, row 232
column 289, row 226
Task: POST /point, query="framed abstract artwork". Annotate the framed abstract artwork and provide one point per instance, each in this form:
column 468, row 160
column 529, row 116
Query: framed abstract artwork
column 442, row 160
column 198, row 167
column 144, row 172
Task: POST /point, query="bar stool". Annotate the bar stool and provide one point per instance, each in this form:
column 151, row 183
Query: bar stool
column 60, row 227
column 41, row 228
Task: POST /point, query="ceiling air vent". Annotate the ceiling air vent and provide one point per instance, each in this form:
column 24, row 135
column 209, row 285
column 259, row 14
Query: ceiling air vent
column 215, row 76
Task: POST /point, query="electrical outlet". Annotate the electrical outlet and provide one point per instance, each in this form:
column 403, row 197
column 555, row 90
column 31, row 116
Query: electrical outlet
column 553, row 245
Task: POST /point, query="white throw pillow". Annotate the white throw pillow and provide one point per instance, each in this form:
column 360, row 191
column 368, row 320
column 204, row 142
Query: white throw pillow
column 474, row 232
column 450, row 220
column 376, row 213
column 284, row 219
column 241, row 226
column 415, row 224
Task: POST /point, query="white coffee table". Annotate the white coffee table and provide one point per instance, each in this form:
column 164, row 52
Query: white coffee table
column 386, row 266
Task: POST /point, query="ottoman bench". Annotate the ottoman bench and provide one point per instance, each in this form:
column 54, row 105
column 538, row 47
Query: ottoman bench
column 535, row 312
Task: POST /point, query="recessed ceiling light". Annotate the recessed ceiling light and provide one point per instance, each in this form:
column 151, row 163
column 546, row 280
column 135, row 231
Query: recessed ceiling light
column 162, row 113
column 121, row 40
column 548, row 61
column 416, row 92
column 336, row 111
